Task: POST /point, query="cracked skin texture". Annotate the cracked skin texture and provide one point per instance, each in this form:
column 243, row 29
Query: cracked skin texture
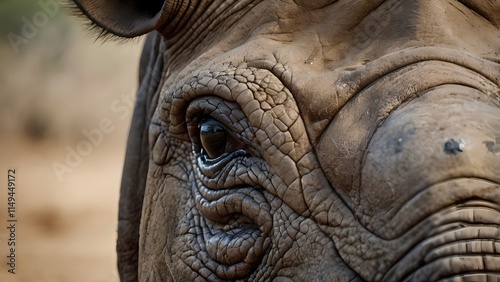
column 305, row 140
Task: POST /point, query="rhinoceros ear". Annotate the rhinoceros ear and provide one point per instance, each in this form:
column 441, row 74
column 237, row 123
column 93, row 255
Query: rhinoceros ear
column 131, row 18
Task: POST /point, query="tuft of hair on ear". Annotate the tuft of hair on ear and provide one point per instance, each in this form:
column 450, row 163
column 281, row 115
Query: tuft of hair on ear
column 98, row 33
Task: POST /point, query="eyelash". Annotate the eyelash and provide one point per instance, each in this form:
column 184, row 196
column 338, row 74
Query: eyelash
column 97, row 31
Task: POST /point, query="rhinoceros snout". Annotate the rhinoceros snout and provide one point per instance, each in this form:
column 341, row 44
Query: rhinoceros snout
column 428, row 171
column 459, row 242
column 435, row 138
column 413, row 157
column 420, row 116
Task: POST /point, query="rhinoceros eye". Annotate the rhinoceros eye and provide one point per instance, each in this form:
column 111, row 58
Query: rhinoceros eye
column 213, row 137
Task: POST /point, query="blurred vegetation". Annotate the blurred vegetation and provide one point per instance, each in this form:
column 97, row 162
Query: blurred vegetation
column 16, row 15
column 28, row 62
column 57, row 81
column 12, row 12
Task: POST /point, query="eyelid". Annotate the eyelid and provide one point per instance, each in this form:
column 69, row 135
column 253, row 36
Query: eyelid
column 212, row 104
column 227, row 113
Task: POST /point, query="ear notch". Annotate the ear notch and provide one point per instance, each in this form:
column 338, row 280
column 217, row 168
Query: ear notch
column 131, row 18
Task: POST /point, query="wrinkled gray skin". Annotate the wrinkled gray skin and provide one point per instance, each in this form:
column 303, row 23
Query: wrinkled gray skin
column 311, row 140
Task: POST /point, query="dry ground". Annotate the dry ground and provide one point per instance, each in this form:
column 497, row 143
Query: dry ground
column 57, row 86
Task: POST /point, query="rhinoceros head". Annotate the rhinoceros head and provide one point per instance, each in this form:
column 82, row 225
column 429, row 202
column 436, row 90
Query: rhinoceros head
column 330, row 140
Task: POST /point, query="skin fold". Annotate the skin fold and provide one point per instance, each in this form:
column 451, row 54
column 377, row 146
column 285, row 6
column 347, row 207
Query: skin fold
column 311, row 140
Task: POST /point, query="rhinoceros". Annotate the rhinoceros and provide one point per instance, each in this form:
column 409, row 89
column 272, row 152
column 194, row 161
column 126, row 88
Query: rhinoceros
column 325, row 140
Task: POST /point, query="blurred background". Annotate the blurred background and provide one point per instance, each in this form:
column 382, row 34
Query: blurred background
column 66, row 102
